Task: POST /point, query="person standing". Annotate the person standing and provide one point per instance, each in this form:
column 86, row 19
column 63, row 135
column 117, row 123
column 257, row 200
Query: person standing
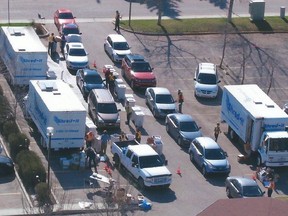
column 128, row 112
column 122, row 136
column 105, row 138
column 62, row 45
column 180, row 100
column 217, row 131
column 138, row 135
column 270, row 187
column 107, row 74
column 91, row 155
column 117, row 21
column 51, row 40
column 111, row 82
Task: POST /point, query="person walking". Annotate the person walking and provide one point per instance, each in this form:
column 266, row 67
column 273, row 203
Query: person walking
column 51, row 40
column 107, row 74
column 217, row 131
column 138, row 135
column 180, row 100
column 91, row 155
column 117, row 21
column 270, row 187
column 128, row 112
column 105, row 138
column 62, row 45
column 111, row 82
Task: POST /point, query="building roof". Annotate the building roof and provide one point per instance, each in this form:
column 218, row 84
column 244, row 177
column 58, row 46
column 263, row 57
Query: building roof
column 262, row 206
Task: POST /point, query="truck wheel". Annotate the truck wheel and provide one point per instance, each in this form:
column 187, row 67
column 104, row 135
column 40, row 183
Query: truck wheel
column 204, row 172
column 259, row 161
column 141, row 183
column 228, row 192
column 179, row 141
column 116, row 160
column 233, row 136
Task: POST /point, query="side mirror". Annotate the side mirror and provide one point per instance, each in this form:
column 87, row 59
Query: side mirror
column 166, row 162
column 195, row 79
column 119, row 110
column 225, row 153
column 200, row 128
column 219, row 81
column 134, row 164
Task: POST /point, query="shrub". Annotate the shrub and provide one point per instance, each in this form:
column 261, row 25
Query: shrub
column 5, row 111
column 17, row 143
column 42, row 193
column 30, row 166
column 9, row 127
column 1, row 90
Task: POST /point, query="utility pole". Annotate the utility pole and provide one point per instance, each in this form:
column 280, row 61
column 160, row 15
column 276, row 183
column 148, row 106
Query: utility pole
column 230, row 11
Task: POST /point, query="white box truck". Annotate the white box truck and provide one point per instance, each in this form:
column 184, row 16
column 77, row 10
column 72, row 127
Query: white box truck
column 258, row 121
column 23, row 53
column 52, row 103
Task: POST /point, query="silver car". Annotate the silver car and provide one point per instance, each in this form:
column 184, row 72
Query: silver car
column 116, row 47
column 160, row 101
column 241, row 187
column 209, row 156
column 182, row 128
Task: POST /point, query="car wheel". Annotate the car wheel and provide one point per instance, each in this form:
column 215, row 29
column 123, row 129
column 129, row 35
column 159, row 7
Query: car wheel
column 105, row 48
column 132, row 84
column 154, row 113
column 191, row 157
column 116, row 160
column 259, row 161
column 179, row 141
column 141, row 183
column 228, row 193
column 204, row 172
column 167, row 128
column 112, row 58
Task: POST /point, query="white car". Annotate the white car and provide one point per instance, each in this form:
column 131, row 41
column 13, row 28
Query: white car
column 76, row 56
column 116, row 47
column 206, row 81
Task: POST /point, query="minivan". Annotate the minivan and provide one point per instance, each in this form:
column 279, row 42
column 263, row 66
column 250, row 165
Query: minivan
column 102, row 109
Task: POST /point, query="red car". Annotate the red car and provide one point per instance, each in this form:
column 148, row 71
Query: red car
column 63, row 16
column 137, row 71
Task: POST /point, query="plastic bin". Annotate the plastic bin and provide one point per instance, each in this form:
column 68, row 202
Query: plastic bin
column 120, row 91
column 139, row 119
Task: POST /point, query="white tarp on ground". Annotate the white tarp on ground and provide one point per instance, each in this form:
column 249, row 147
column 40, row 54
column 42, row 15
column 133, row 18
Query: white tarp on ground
column 23, row 54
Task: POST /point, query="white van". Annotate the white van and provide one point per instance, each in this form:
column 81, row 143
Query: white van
column 102, row 109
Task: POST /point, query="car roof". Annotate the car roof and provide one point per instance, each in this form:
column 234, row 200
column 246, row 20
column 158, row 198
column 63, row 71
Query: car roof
column 207, row 143
column 64, row 10
column 182, row 117
column 135, row 57
column 69, row 25
column 117, row 38
column 244, row 181
column 88, row 71
column 160, row 90
column 206, row 67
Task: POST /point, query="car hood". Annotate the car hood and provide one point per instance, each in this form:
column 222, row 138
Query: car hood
column 94, row 86
column 191, row 135
column 66, row 21
column 79, row 59
column 122, row 52
column 218, row 163
column 166, row 106
column 206, row 87
column 109, row 117
column 156, row 171
column 144, row 75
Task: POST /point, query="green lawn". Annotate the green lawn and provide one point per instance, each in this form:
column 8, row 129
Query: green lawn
column 209, row 25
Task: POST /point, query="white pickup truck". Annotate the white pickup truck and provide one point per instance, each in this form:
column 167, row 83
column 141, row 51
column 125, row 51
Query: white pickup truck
column 142, row 162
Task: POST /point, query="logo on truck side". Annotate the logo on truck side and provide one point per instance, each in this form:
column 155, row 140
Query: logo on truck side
column 232, row 111
column 65, row 121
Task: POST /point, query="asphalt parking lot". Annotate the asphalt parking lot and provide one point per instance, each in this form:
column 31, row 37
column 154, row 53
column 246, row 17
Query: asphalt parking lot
column 174, row 59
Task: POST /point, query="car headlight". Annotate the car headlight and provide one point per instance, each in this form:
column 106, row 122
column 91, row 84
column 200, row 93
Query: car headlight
column 209, row 165
column 149, row 180
column 227, row 165
column 100, row 120
column 118, row 120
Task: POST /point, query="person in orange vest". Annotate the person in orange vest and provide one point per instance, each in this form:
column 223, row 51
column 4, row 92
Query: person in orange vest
column 89, row 138
column 138, row 135
column 180, row 100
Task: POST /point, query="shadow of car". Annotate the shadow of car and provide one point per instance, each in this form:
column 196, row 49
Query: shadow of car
column 6, row 166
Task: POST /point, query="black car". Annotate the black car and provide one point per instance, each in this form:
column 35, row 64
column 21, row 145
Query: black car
column 6, row 166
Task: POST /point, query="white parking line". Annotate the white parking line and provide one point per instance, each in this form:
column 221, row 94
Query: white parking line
column 10, row 194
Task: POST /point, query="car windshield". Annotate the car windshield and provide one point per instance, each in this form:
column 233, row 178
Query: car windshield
column 67, row 31
column 77, row 52
column 251, row 191
column 121, row 46
column 107, row 108
column 188, row 126
column 150, row 161
column 209, row 79
column 66, row 16
column 93, row 79
column 164, row 99
column 141, row 67
column 214, row 154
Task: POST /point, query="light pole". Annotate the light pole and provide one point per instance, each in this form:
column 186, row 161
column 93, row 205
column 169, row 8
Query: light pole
column 50, row 131
column 130, row 6
column 8, row 12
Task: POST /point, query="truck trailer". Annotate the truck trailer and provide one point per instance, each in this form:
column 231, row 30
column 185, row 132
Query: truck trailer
column 258, row 121
column 52, row 103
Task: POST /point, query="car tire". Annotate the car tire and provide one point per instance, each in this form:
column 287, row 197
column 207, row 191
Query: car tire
column 132, row 84
column 154, row 113
column 167, row 128
column 204, row 172
column 259, row 161
column 179, row 141
column 141, row 183
column 191, row 157
column 228, row 193
column 116, row 160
